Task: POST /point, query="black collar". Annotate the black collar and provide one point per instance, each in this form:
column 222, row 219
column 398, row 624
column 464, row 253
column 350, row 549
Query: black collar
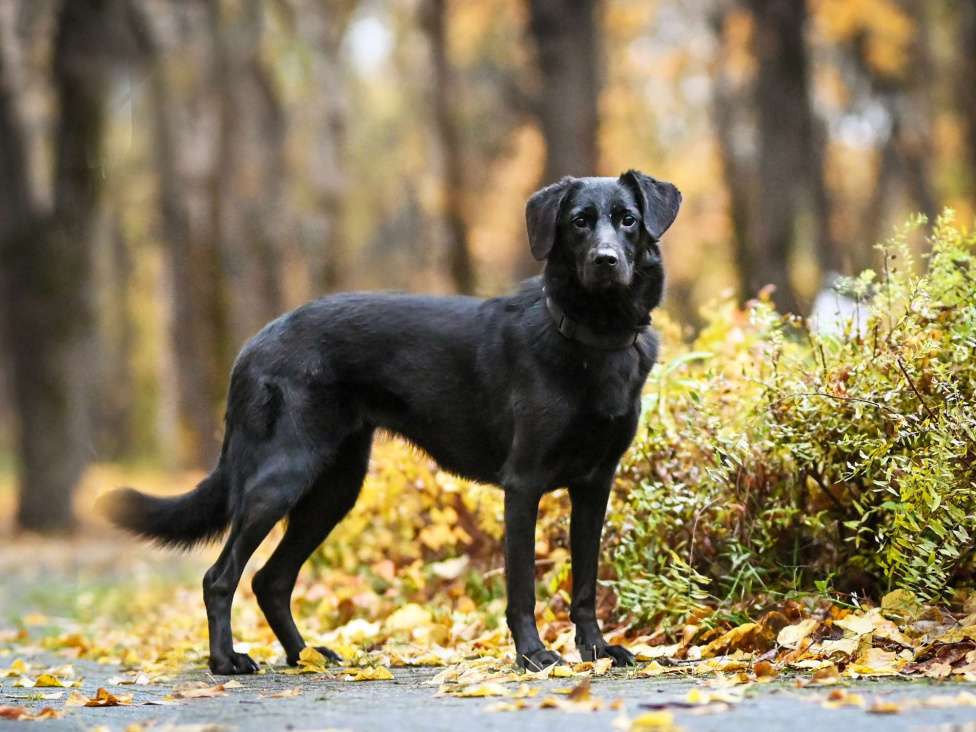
column 582, row 333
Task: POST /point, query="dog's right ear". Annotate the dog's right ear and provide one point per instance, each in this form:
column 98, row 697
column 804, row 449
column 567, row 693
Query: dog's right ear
column 541, row 215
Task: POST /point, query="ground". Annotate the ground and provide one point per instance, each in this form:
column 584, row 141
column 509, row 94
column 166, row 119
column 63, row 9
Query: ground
column 47, row 595
column 408, row 703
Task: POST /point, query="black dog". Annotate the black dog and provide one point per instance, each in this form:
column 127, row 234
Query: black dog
column 532, row 392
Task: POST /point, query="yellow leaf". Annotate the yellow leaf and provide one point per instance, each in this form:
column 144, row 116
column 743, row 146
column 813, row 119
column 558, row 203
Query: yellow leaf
column 200, row 693
column 856, row 624
column 479, row 690
column 661, row 721
column 17, row 668
column 310, row 661
column 514, row 706
column 747, row 637
column 841, row 698
column 644, row 652
column 407, row 618
column 367, row 673
column 843, row 648
column 876, row 662
column 884, row 706
column 47, row 680
column 699, row 696
column 791, row 635
column 602, row 666
column 76, row 699
column 450, row 569
column 901, row 605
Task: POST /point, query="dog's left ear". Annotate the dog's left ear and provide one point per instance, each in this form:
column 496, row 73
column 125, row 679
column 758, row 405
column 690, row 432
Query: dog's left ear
column 541, row 214
column 659, row 201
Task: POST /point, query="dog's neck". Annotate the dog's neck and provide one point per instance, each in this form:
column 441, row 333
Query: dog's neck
column 616, row 311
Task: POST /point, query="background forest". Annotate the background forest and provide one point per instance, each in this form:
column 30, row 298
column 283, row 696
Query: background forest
column 174, row 174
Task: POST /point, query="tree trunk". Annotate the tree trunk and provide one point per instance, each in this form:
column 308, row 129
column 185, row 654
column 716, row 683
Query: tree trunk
column 905, row 158
column 323, row 29
column 246, row 193
column 966, row 90
column 738, row 171
column 193, row 272
column 785, row 136
column 565, row 35
column 48, row 263
column 112, row 410
column 445, row 94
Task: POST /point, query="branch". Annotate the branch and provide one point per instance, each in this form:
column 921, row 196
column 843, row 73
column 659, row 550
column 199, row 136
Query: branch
column 901, row 365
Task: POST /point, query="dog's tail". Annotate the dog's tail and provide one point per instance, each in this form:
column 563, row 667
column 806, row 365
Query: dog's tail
column 178, row 521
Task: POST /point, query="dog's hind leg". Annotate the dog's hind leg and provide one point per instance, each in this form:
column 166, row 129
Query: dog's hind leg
column 332, row 496
column 284, row 470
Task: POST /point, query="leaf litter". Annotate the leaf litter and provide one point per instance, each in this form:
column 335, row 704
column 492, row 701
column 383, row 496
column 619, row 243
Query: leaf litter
column 425, row 609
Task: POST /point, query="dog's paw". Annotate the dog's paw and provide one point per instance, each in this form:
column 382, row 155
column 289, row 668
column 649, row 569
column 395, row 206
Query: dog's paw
column 330, row 656
column 539, row 659
column 235, row 663
column 620, row 655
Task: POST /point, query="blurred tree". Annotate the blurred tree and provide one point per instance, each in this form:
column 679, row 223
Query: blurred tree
column 732, row 123
column 322, row 26
column 902, row 85
column 47, row 261
column 966, row 84
column 791, row 188
column 445, row 92
column 113, row 394
column 566, row 39
column 197, row 318
column 248, row 182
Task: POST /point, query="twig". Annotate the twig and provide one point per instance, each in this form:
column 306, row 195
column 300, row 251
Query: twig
column 834, row 396
column 901, row 365
column 819, row 481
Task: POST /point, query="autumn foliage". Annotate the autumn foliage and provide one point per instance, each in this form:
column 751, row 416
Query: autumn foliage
column 770, row 461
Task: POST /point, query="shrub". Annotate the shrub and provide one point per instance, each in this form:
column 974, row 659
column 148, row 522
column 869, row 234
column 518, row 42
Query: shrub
column 772, row 459
column 769, row 460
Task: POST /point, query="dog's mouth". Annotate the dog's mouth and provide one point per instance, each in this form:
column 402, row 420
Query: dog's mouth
column 599, row 278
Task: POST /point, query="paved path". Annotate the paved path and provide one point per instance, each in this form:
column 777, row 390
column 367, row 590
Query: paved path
column 407, row 703
column 57, row 574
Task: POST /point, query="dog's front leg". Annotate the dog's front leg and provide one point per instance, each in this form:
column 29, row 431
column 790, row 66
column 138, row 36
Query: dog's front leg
column 586, row 525
column 521, row 510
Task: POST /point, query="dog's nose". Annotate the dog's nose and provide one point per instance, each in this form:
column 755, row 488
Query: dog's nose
column 605, row 258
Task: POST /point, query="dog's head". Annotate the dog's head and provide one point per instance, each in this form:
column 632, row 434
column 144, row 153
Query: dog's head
column 606, row 230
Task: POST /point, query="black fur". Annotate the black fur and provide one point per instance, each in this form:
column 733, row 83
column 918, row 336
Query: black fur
column 489, row 388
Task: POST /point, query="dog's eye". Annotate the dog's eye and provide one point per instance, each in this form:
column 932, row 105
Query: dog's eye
column 628, row 220
column 580, row 222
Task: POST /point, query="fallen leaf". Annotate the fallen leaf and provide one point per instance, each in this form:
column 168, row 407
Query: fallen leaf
column 644, row 652
column 102, row 698
column 22, row 714
column 653, row 722
column 791, row 635
column 368, row 673
column 310, row 661
column 856, row 624
column 883, row 706
column 745, row 637
column 208, row 692
column 513, row 706
column 901, row 605
column 842, row 698
column 477, row 690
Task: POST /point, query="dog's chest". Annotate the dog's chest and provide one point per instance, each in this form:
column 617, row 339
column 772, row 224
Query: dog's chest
column 610, row 387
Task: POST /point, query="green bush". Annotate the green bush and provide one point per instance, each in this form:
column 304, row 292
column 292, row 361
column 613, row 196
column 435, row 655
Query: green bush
column 771, row 459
